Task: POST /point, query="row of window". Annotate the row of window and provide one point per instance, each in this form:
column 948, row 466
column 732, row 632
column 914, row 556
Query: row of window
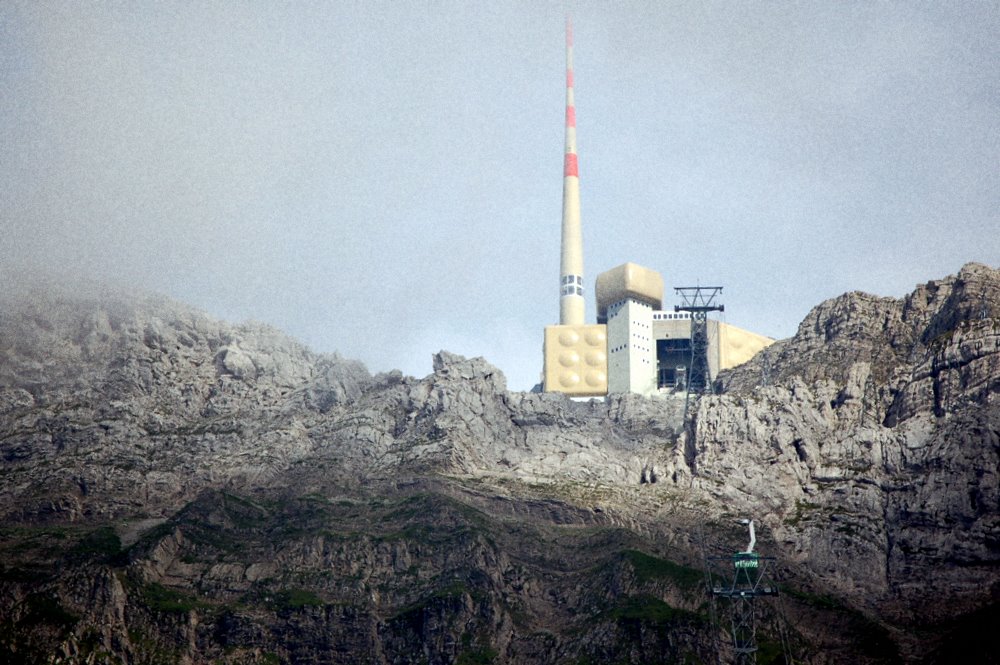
column 572, row 279
column 657, row 316
column 637, row 348
column 569, row 290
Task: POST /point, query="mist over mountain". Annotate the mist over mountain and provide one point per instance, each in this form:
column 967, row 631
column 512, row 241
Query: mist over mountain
column 316, row 164
column 179, row 489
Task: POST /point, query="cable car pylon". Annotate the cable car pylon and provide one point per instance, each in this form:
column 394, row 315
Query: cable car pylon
column 739, row 580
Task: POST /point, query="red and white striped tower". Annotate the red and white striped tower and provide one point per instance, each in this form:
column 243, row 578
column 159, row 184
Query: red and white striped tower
column 571, row 303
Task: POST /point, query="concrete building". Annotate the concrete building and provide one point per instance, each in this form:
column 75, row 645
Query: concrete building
column 728, row 346
column 627, row 296
column 635, row 346
column 649, row 349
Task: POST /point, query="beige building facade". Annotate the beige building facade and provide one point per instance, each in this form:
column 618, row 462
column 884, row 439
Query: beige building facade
column 636, row 345
column 728, row 346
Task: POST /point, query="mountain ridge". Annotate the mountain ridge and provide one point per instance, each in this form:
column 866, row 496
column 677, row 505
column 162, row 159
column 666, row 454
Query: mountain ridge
column 195, row 480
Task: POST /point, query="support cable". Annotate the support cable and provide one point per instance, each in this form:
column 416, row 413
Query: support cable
column 713, row 609
column 786, row 646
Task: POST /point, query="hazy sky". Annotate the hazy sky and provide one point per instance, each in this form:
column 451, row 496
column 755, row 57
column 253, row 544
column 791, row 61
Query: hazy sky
column 384, row 179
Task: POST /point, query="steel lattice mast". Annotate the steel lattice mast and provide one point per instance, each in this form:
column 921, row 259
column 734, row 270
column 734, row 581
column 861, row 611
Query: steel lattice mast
column 699, row 301
column 744, row 578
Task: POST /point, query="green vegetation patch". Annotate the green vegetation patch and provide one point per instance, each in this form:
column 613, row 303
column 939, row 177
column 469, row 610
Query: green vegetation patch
column 161, row 599
column 479, row 656
column 32, row 532
column 157, row 533
column 455, row 590
column 422, row 506
column 647, row 609
column 802, row 510
column 823, row 602
column 102, row 543
column 58, row 543
column 221, row 540
column 243, row 513
column 24, row 575
column 448, row 595
column 770, row 653
column 873, row 638
column 413, row 506
column 34, row 542
column 44, row 608
column 296, row 599
column 649, row 568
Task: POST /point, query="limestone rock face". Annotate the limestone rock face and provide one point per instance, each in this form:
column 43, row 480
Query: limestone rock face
column 873, row 435
column 120, row 403
column 931, row 349
column 177, row 485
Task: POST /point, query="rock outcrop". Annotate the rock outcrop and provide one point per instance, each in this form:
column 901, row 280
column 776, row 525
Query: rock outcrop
column 180, row 489
column 873, row 436
column 125, row 404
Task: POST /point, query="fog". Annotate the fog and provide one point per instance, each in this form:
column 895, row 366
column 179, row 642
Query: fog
column 383, row 179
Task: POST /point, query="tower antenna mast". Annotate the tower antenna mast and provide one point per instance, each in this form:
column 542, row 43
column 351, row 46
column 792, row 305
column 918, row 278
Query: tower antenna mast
column 571, row 303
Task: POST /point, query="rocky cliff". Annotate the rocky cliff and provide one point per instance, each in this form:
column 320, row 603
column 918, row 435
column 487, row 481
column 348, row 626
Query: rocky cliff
column 176, row 489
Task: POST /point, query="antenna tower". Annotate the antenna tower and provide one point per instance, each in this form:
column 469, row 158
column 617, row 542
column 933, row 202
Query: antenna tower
column 571, row 303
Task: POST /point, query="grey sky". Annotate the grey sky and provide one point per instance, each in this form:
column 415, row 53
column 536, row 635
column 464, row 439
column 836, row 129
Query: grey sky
column 383, row 179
